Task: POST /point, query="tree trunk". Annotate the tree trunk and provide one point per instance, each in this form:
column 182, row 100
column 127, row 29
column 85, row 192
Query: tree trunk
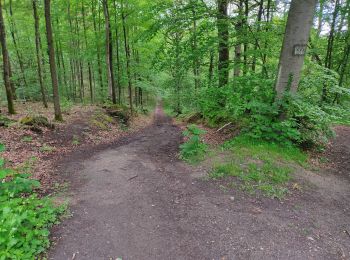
column 256, row 46
column 99, row 69
column 6, row 66
column 14, row 40
column 86, row 48
column 127, row 53
column 223, row 37
column 117, row 55
column 238, row 46
column 328, row 61
column 109, row 53
column 299, row 23
column 56, row 97
column 38, row 53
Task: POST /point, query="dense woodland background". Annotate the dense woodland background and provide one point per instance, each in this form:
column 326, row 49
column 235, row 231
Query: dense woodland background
column 215, row 61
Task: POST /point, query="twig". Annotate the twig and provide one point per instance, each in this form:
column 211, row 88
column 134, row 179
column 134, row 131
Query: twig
column 223, row 127
column 133, row 177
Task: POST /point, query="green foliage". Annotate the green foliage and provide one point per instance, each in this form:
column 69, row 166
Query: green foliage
column 259, row 166
column 25, row 218
column 193, row 149
column 268, row 178
column 244, row 146
column 47, row 148
column 27, row 139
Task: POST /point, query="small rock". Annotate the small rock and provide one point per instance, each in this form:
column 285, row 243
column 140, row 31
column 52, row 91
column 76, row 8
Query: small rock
column 232, row 198
column 311, row 238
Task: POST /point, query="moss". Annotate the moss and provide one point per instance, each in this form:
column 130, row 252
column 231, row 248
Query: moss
column 36, row 121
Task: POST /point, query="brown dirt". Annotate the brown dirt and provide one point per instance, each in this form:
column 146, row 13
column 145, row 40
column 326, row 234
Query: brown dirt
column 83, row 126
column 134, row 200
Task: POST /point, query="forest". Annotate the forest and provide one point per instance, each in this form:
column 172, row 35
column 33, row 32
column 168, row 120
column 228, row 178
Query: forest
column 267, row 80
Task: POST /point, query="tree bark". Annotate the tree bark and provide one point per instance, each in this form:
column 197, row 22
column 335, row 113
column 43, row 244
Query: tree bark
column 51, row 50
column 6, row 64
column 14, row 40
column 127, row 54
column 223, row 37
column 238, row 46
column 299, row 23
column 39, row 54
column 109, row 53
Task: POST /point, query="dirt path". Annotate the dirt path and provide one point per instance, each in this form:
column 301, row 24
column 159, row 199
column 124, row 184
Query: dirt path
column 133, row 200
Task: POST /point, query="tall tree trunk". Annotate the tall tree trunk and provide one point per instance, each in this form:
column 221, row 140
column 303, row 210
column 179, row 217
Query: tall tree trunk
column 38, row 53
column 196, row 63
column 328, row 61
column 109, row 53
column 223, row 37
column 6, row 64
column 127, row 53
column 296, row 37
column 256, row 46
column 238, row 46
column 56, row 97
column 117, row 54
column 245, row 45
column 14, row 40
column 86, row 48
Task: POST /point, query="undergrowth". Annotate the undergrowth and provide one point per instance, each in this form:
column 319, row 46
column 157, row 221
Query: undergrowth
column 194, row 149
column 259, row 166
column 25, row 218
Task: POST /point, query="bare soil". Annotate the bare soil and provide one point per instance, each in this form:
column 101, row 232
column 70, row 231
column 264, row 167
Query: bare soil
column 133, row 199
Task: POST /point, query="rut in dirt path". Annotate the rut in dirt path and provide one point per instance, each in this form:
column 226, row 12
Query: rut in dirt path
column 135, row 200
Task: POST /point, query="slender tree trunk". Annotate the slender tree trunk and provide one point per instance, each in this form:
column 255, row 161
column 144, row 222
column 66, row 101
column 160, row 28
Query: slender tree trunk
column 211, row 66
column 299, row 23
column 86, row 48
column 14, row 40
column 256, row 46
column 245, row 45
column 328, row 61
column 6, row 66
column 98, row 49
column 56, row 97
column 117, row 54
column 109, row 53
column 223, row 37
column 196, row 63
column 127, row 53
column 238, row 46
column 38, row 53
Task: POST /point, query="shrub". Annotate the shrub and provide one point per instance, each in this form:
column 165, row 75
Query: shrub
column 25, row 218
column 193, row 149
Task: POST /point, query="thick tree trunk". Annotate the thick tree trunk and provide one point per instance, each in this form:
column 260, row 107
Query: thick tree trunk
column 56, row 97
column 38, row 53
column 109, row 53
column 296, row 37
column 223, row 37
column 6, row 64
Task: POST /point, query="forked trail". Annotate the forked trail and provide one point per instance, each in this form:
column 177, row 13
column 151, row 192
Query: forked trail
column 135, row 200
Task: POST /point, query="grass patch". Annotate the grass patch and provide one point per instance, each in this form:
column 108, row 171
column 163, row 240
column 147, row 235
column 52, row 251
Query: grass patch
column 243, row 146
column 47, row 148
column 27, row 139
column 259, row 166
